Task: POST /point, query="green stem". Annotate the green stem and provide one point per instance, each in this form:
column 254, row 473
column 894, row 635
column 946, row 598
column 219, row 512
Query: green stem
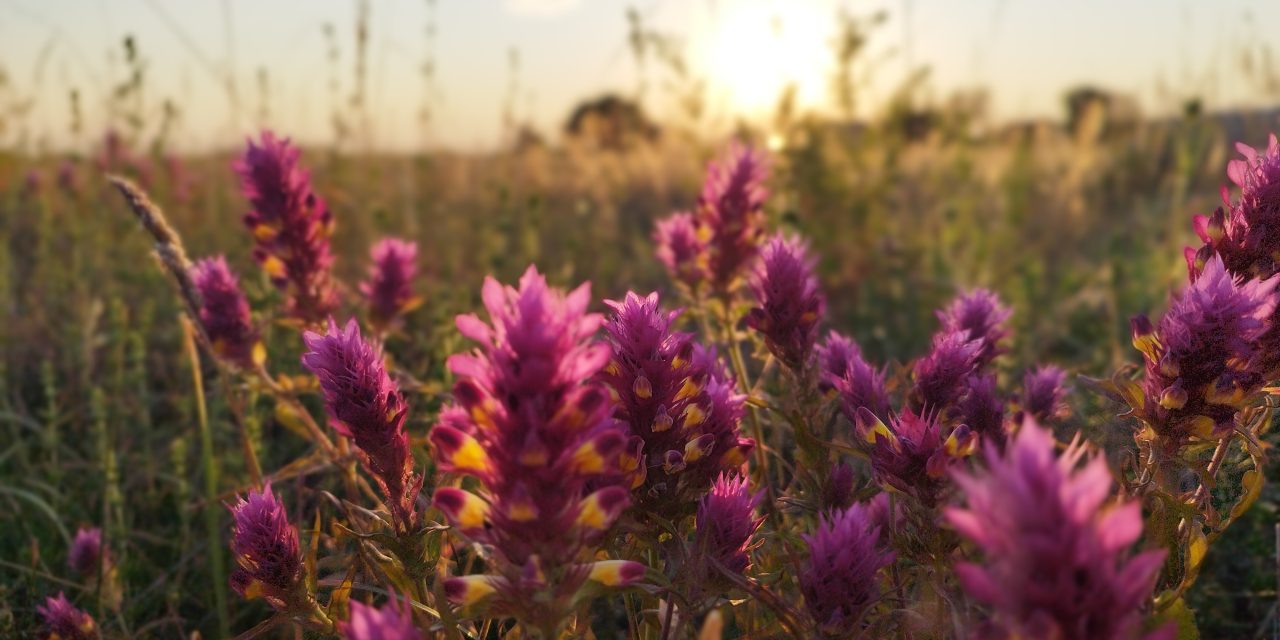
column 209, row 462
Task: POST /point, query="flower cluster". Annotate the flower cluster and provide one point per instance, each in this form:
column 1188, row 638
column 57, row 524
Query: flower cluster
column 838, row 579
column 267, row 553
column 856, row 383
column 291, row 226
column 536, row 430
column 677, row 400
column 63, row 621
column 719, row 242
column 389, row 287
column 790, row 303
column 913, row 452
column 224, row 314
column 724, row 524
column 1044, row 394
column 365, row 405
column 1202, row 357
column 1056, row 555
column 981, row 315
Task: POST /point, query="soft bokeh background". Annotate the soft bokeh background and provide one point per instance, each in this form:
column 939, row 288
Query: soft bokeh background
column 1051, row 151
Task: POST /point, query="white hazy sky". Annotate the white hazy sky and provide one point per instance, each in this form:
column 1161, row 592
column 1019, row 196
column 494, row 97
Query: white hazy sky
column 1026, row 51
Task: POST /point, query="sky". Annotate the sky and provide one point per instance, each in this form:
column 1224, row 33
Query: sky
column 532, row 61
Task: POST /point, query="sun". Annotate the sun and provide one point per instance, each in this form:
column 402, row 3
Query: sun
column 755, row 50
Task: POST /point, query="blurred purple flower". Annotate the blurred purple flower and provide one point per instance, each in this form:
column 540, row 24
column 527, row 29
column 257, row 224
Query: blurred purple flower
column 838, row 579
column 677, row 400
column 837, row 487
column 224, row 314
column 982, row 408
column 846, row 374
column 681, row 248
column 1202, row 358
column 731, row 207
column 1044, row 394
column 267, row 553
column 539, row 436
column 389, row 288
column 789, row 302
column 913, row 453
column 86, row 555
column 366, row 406
column 63, row 621
column 68, row 178
column 394, row 621
column 724, row 524
column 939, row 377
column 291, row 226
column 980, row 313
column 1056, row 554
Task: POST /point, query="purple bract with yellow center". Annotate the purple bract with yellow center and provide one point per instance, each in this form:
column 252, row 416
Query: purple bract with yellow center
column 389, row 287
column 537, row 431
column 63, row 621
column 1055, row 547
column 291, row 227
column 913, row 453
column 224, row 314
column 365, row 405
column 267, row 553
column 839, row 578
column 790, row 305
column 679, row 403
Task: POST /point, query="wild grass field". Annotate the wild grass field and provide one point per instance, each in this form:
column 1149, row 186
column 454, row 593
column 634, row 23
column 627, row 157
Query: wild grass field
column 554, row 499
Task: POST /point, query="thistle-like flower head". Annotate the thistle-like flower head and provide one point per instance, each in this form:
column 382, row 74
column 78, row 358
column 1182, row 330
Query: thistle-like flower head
column 365, row 405
column 536, row 430
column 981, row 314
column 913, row 452
column 677, row 400
column 291, row 227
column 63, row 621
column 939, row 377
column 1044, row 394
column 86, row 555
column 838, row 579
column 1202, row 359
column 224, row 314
column 846, row 374
column 394, row 621
column 681, row 247
column 731, row 208
column 725, row 522
column 1243, row 232
column 267, row 553
column 981, row 408
column 389, row 287
column 789, row 302
column 1055, row 546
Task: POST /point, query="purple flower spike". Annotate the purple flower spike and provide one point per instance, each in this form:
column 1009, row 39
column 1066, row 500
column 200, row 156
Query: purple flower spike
column 790, row 303
column 939, row 377
column 1202, row 358
column 679, row 403
column 366, row 406
column 536, row 430
column 725, row 522
column 981, row 408
column 1057, row 561
column 1243, row 232
column 731, row 208
column 63, row 621
column 267, row 552
column 980, row 313
column 681, row 248
column 86, row 556
column 389, row 288
column 838, row 579
column 224, row 314
column 1044, row 394
column 855, row 383
column 913, row 453
column 291, row 227
column 394, row 621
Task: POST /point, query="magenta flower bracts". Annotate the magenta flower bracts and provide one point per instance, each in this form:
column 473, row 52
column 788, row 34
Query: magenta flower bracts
column 1056, row 554
column 291, row 226
column 63, row 621
column 682, row 248
column 389, row 287
column 725, row 522
column 980, row 314
column 913, row 453
column 539, row 435
column 86, row 556
column 267, row 553
column 224, row 314
column 839, row 578
column 789, row 302
column 940, row 377
column 731, row 208
column 1243, row 232
column 845, row 373
column 679, row 403
column 1044, row 394
column 394, row 621
column 1202, row 358
column 366, row 406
